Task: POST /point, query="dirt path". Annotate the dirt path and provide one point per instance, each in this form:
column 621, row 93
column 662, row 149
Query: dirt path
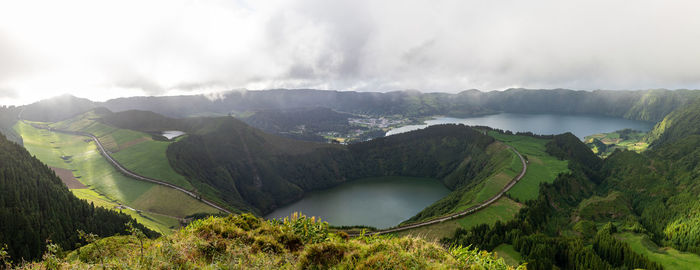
column 68, row 178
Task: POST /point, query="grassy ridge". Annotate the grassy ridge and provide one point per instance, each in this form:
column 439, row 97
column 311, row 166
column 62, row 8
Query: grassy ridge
column 108, row 185
column 541, row 168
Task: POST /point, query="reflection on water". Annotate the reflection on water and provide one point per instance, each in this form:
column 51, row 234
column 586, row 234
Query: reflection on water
column 171, row 134
column 378, row 202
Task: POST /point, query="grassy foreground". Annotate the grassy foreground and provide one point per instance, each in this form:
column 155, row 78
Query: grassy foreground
column 247, row 242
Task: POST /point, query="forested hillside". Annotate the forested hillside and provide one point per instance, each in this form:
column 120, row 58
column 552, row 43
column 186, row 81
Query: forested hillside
column 8, row 118
column 35, row 206
column 595, row 216
column 239, row 162
column 677, row 125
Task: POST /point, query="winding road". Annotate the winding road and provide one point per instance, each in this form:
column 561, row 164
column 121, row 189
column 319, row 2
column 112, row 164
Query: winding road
column 126, row 171
column 466, row 212
column 134, row 175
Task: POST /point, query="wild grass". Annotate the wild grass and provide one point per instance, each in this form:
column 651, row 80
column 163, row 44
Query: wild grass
column 247, row 242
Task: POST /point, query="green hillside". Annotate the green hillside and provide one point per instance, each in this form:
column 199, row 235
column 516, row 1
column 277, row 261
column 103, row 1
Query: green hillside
column 136, row 151
column 160, row 208
column 243, row 165
column 631, row 210
column 246, row 242
column 678, row 124
column 35, row 206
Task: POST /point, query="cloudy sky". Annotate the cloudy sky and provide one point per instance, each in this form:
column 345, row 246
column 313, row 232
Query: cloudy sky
column 105, row 49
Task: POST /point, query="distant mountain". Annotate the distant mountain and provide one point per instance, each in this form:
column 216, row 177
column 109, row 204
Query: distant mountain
column 35, row 206
column 57, row 108
column 647, row 105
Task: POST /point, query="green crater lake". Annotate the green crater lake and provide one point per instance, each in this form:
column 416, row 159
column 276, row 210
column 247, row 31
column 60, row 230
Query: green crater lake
column 379, row 202
column 387, row 201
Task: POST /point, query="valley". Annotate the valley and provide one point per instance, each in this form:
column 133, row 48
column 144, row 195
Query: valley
column 499, row 184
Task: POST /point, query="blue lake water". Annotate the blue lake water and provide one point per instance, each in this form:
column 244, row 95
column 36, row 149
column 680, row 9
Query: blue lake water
column 579, row 125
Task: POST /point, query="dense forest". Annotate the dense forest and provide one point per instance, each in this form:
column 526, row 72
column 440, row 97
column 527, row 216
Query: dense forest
column 574, row 221
column 36, row 207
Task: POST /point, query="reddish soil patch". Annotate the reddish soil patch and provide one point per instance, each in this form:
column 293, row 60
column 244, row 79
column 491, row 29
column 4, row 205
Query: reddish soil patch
column 68, row 178
column 132, row 143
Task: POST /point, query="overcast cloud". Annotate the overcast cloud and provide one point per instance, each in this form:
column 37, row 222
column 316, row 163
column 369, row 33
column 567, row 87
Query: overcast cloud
column 106, row 49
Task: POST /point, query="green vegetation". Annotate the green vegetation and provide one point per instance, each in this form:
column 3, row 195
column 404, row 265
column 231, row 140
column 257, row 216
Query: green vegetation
column 650, row 198
column 502, row 210
column 159, row 223
column 108, row 185
column 8, row 118
column 246, row 242
column 669, row 258
column 508, row 253
column 136, row 151
column 678, row 124
column 246, row 167
column 604, row 144
column 541, row 168
column 35, row 206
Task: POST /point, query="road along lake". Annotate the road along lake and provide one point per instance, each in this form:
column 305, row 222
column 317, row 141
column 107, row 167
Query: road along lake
column 380, row 202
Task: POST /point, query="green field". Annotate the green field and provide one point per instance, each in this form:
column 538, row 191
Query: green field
column 604, row 144
column 541, row 167
column 508, row 253
column 160, row 223
column 504, row 164
column 669, row 258
column 135, row 150
column 81, row 156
